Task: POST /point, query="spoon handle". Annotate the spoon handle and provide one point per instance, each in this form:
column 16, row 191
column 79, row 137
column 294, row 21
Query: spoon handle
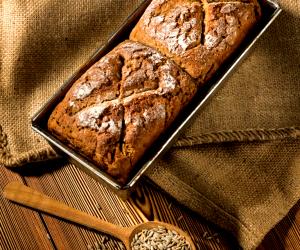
column 24, row 195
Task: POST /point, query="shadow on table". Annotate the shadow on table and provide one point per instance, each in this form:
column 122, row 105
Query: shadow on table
column 40, row 168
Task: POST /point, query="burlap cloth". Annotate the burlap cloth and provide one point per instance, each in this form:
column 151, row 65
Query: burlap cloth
column 238, row 164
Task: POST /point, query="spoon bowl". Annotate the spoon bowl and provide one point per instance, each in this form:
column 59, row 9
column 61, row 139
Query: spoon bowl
column 26, row 196
column 156, row 224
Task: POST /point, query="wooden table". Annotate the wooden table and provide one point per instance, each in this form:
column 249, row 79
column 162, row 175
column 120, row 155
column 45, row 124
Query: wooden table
column 22, row 228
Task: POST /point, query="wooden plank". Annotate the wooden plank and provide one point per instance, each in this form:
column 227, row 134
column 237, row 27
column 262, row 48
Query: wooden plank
column 20, row 228
column 75, row 188
column 71, row 186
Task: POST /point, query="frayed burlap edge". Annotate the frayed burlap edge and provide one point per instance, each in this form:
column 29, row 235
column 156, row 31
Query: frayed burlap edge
column 46, row 153
column 239, row 136
column 8, row 160
column 42, row 154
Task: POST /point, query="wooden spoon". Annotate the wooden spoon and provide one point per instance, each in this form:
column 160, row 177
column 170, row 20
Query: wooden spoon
column 24, row 195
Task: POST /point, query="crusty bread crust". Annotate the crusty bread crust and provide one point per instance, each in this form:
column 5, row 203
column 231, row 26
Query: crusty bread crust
column 120, row 106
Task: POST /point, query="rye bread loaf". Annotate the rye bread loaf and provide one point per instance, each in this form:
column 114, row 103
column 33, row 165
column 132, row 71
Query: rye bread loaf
column 120, row 106
column 116, row 110
column 198, row 35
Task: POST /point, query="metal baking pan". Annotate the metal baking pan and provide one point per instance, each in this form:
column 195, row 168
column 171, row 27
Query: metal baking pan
column 270, row 10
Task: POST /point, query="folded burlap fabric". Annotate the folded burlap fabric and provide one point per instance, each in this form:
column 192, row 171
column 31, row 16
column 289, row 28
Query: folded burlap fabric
column 244, row 186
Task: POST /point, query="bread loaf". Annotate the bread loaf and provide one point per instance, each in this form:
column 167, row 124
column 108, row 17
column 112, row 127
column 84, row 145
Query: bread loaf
column 116, row 110
column 120, row 106
column 198, row 35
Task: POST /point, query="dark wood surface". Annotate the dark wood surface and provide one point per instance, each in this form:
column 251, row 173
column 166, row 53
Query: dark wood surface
column 22, row 228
